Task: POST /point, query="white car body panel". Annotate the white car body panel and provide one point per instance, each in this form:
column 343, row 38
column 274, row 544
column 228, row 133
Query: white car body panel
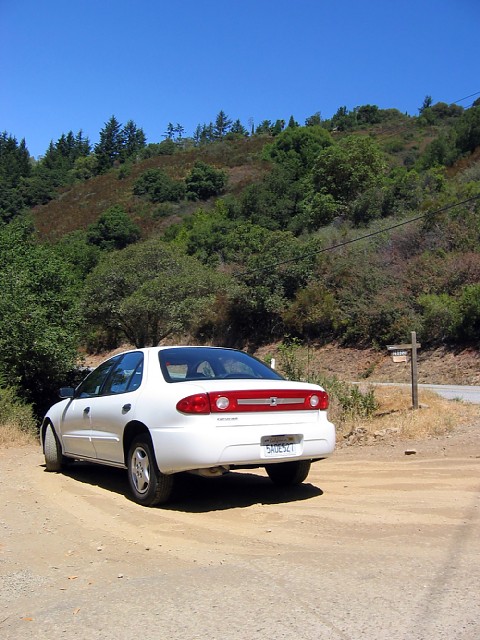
column 110, row 414
column 77, row 431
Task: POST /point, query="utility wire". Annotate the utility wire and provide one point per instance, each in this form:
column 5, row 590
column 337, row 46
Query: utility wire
column 466, row 97
column 364, row 237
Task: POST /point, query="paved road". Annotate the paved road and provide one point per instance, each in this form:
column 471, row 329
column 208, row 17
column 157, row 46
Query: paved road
column 449, row 391
column 453, row 392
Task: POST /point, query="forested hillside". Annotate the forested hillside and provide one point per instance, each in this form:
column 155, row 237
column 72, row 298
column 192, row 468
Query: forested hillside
column 358, row 230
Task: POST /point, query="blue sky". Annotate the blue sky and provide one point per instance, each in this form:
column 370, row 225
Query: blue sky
column 71, row 65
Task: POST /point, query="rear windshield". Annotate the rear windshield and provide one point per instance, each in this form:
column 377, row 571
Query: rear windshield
column 200, row 363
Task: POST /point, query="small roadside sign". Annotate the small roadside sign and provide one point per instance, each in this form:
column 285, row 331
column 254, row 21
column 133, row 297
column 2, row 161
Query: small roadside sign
column 400, row 353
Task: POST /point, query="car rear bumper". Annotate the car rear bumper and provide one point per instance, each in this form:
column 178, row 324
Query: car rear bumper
column 185, row 450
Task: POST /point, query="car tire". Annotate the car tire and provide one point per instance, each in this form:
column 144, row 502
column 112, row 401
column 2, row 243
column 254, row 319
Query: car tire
column 149, row 486
column 52, row 450
column 286, row 474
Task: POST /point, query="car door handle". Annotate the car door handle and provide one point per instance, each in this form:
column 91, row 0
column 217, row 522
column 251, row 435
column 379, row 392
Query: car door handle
column 86, row 410
column 126, row 408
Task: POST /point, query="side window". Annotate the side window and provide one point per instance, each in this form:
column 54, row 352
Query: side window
column 176, row 371
column 126, row 375
column 93, row 383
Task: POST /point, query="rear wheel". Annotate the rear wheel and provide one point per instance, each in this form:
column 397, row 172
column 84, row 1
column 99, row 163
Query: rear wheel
column 52, row 450
column 286, row 474
column 148, row 484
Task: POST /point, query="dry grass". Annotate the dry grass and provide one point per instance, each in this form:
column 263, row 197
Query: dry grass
column 12, row 436
column 395, row 418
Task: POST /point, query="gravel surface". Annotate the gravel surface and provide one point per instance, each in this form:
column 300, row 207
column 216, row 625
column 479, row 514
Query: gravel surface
column 376, row 544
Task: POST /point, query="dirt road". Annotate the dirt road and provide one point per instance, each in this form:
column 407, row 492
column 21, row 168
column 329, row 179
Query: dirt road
column 375, row 545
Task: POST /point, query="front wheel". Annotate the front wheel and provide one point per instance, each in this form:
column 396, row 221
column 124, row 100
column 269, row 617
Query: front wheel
column 52, row 450
column 286, row 474
column 148, row 484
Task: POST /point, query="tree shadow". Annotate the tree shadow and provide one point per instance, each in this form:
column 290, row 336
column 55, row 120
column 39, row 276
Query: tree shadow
column 194, row 494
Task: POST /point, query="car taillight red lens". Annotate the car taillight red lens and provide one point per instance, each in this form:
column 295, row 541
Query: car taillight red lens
column 199, row 404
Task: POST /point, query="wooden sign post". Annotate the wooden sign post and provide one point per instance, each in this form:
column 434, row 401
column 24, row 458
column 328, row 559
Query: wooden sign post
column 399, row 353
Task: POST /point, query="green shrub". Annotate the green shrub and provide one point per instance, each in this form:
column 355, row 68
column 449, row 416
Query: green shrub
column 394, row 145
column 113, row 230
column 470, row 312
column 157, row 186
column 440, row 316
column 204, row 181
column 353, row 402
column 165, row 148
column 290, row 365
column 16, row 414
column 347, row 401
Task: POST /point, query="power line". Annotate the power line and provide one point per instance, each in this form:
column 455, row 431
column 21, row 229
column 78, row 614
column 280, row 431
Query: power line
column 467, row 97
column 364, row 237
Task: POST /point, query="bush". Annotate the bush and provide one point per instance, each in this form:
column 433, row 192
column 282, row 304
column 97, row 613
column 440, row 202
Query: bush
column 470, row 312
column 113, row 230
column 38, row 316
column 313, row 313
column 15, row 415
column 347, row 401
column 204, row 181
column 468, row 130
column 441, row 316
column 300, row 144
column 351, row 400
column 165, row 148
column 157, row 186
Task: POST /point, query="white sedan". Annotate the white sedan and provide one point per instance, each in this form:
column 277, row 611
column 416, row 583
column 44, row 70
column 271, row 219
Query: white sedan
column 163, row 410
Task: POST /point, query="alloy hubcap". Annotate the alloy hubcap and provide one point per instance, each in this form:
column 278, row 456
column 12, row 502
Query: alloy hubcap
column 140, row 470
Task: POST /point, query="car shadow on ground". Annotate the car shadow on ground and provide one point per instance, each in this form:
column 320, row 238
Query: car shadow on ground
column 194, row 494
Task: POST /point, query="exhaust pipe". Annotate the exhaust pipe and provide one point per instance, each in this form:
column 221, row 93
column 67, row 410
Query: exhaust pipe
column 211, row 472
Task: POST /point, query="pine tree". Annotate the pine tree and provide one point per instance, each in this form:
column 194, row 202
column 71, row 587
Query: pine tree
column 82, row 146
column 197, row 135
column 170, row 132
column 222, row 125
column 133, row 140
column 110, row 147
column 238, row 129
column 179, row 131
column 14, row 160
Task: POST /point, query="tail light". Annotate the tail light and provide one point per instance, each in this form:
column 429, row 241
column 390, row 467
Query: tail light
column 248, row 401
column 199, row 404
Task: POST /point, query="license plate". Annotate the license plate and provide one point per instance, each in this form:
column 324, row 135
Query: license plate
column 279, row 446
